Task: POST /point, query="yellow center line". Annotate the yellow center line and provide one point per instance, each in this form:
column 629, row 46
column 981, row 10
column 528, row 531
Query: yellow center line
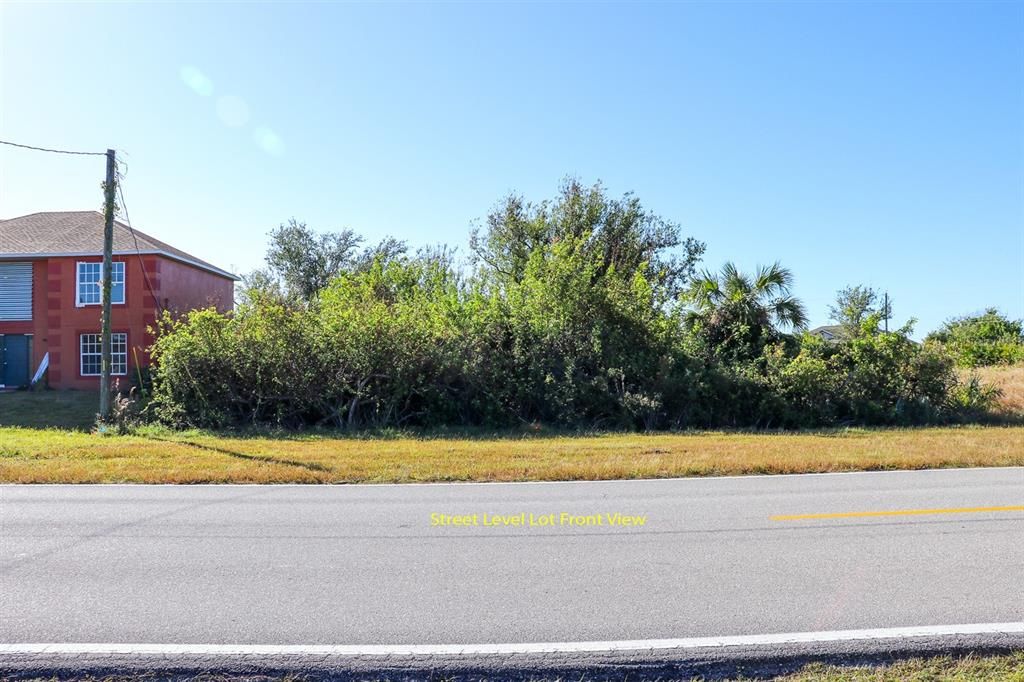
column 897, row 512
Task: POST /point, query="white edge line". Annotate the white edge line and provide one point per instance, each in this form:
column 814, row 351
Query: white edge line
column 510, row 648
column 423, row 484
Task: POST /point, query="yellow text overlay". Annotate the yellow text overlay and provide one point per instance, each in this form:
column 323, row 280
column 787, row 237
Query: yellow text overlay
column 898, row 512
column 531, row 520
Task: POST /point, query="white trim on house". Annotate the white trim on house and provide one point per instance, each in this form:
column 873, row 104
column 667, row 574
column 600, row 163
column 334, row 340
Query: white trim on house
column 113, row 279
column 151, row 252
column 113, row 354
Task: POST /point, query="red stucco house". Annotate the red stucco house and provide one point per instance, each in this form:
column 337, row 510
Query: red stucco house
column 50, row 296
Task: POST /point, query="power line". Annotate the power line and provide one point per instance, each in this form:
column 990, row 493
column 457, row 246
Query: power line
column 138, row 252
column 53, row 151
column 119, row 181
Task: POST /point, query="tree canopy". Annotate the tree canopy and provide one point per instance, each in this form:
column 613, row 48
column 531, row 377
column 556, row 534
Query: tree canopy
column 582, row 311
column 855, row 304
column 738, row 313
column 619, row 235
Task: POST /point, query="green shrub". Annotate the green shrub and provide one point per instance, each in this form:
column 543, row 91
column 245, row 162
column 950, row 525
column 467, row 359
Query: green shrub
column 981, row 340
column 973, row 399
column 257, row 366
column 875, row 378
column 406, row 345
column 575, row 316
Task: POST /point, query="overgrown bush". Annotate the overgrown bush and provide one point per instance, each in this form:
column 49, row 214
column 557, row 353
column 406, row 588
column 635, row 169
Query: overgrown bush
column 874, row 378
column 575, row 315
column 982, row 340
column 401, row 345
column 973, row 399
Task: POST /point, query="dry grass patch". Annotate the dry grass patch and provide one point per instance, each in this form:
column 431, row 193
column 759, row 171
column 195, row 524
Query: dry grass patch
column 1009, row 380
column 154, row 456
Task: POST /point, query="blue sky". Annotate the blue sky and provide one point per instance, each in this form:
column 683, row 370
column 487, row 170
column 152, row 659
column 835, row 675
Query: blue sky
column 867, row 142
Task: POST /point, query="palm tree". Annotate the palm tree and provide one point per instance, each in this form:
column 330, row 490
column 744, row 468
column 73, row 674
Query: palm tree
column 737, row 311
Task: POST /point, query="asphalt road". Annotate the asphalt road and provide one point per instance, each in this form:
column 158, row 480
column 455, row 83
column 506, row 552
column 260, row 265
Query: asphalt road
column 363, row 565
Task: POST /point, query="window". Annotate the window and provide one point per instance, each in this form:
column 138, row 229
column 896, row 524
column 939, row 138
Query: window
column 91, row 357
column 89, row 291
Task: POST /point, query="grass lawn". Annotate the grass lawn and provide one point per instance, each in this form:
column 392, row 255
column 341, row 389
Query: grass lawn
column 67, row 455
column 1008, row 668
column 968, row 668
column 45, row 409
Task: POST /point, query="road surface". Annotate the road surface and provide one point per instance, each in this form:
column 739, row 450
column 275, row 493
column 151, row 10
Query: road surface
column 364, row 565
column 415, row 564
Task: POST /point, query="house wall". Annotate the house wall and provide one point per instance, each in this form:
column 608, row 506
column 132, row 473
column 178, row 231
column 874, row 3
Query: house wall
column 58, row 322
column 65, row 321
column 186, row 288
column 37, row 325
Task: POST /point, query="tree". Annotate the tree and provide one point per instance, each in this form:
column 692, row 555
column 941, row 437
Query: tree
column 256, row 285
column 386, row 250
column 853, row 306
column 305, row 262
column 619, row 233
column 737, row 314
column 573, row 318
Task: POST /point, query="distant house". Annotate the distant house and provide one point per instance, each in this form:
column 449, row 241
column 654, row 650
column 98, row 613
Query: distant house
column 829, row 332
column 50, row 265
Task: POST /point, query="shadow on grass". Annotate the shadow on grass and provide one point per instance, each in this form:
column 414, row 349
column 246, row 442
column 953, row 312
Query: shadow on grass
column 300, row 434
column 311, row 466
column 547, row 432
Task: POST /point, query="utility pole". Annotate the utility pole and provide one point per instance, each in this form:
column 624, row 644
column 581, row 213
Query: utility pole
column 108, row 257
column 885, row 311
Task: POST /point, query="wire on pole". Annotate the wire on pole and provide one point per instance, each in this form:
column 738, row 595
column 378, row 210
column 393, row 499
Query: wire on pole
column 52, row 151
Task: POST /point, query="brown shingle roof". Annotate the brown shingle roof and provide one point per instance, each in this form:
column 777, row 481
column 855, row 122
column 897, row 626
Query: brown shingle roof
column 80, row 233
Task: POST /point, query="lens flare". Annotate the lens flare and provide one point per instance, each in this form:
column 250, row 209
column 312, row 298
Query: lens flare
column 233, row 111
column 268, row 141
column 196, row 80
